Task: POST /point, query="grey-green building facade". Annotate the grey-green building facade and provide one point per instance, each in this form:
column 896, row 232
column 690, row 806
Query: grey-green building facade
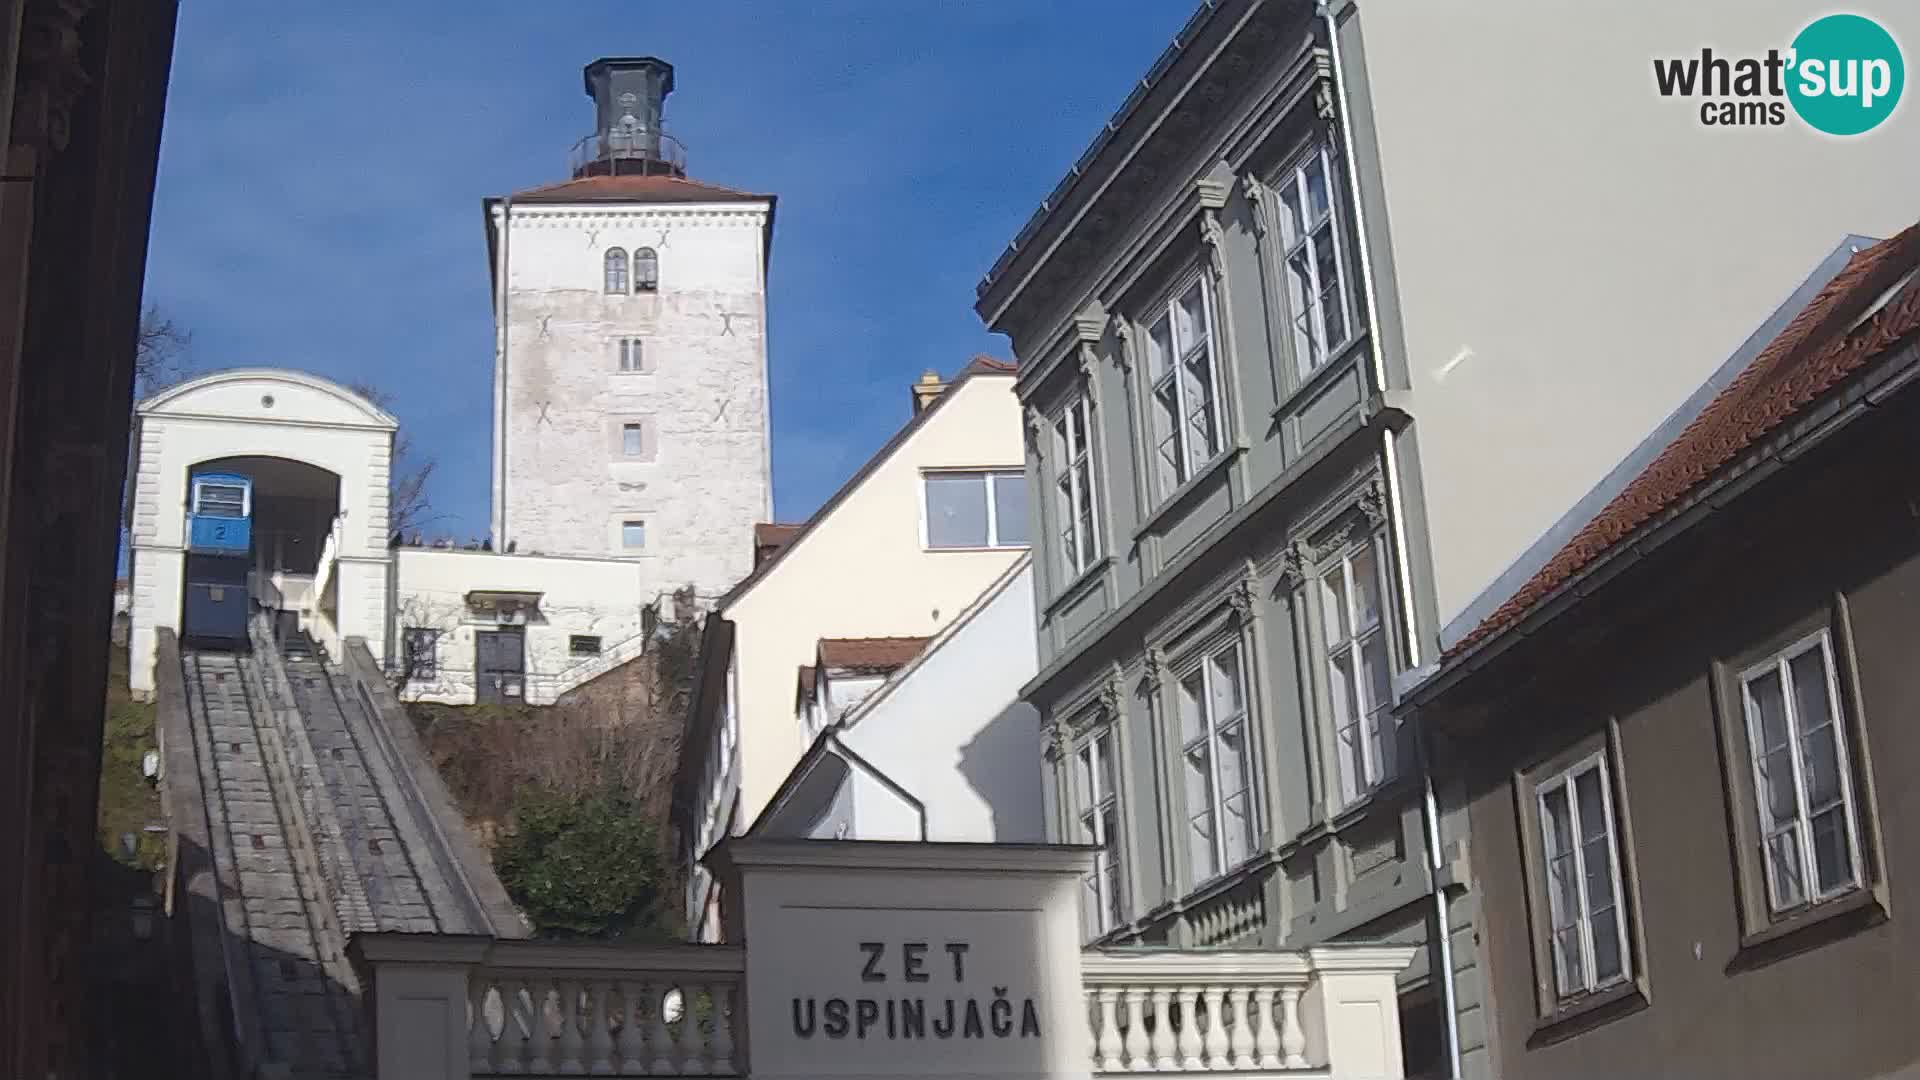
column 1230, row 556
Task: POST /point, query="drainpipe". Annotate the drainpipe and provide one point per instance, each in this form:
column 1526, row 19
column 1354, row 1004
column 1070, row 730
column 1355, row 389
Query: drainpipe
column 1396, row 516
column 500, row 346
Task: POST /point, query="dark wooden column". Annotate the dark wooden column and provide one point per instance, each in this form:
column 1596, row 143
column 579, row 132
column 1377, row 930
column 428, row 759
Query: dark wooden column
column 88, row 101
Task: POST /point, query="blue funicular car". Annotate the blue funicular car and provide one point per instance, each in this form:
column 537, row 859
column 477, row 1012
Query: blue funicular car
column 220, row 515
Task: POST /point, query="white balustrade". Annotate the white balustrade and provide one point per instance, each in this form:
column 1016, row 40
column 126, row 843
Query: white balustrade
column 1259, row 1013
column 544, row 1009
column 603, row 1011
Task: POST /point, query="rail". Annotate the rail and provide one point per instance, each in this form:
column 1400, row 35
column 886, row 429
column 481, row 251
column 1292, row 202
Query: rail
column 624, row 152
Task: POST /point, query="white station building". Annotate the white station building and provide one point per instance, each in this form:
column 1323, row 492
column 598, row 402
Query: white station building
column 630, row 369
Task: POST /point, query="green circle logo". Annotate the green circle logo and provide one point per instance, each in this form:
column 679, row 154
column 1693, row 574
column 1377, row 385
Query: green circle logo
column 1846, row 74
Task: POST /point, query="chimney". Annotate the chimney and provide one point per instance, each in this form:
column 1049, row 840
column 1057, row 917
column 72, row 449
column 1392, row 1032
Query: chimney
column 629, row 101
column 928, row 388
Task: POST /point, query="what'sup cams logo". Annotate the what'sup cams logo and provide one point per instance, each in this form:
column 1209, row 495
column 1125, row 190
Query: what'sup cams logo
column 1842, row 75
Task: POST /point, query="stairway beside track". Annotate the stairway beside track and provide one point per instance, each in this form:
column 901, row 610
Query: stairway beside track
column 308, row 1018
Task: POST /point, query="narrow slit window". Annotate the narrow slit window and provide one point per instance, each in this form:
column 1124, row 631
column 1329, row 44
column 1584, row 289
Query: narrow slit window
column 1359, row 679
column 1079, row 535
column 1097, row 802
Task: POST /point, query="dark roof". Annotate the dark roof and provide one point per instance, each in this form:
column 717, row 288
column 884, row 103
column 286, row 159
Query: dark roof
column 808, row 676
column 769, row 537
column 1808, row 358
column 872, row 655
column 656, row 188
column 1105, row 135
column 979, row 365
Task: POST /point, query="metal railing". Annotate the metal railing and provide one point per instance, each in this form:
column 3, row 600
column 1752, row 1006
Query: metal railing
column 635, row 152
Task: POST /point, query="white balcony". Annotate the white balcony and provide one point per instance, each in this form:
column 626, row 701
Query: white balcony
column 447, row 1008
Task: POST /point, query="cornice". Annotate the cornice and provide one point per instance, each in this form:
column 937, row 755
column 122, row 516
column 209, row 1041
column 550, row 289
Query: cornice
column 1068, row 250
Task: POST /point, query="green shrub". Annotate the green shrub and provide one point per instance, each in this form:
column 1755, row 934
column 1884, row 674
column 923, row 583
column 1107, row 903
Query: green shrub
column 583, row 865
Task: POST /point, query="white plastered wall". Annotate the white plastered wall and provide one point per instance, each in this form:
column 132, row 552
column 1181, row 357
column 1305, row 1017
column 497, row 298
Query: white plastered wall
column 1575, row 253
column 954, row 733
column 864, row 571
column 599, row 597
column 701, row 397
column 256, row 413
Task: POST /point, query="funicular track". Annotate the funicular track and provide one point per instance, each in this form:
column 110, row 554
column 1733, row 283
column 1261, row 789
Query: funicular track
column 346, row 753
column 288, row 932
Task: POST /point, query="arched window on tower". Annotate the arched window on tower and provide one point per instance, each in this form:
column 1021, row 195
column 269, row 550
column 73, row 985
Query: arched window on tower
column 646, row 270
column 617, row 271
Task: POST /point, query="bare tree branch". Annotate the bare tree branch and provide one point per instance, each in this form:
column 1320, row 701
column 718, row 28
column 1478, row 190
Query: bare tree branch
column 158, row 351
column 408, row 505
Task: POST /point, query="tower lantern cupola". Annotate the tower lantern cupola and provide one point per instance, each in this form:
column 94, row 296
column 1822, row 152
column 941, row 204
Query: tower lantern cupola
column 629, row 97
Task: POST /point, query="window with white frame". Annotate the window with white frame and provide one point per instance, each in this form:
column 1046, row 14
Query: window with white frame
column 1096, row 803
column 1802, row 772
column 631, row 352
column 633, row 534
column 1217, row 763
column 616, row 271
column 646, row 270
column 1587, row 926
column 632, row 440
column 1186, row 393
column 1359, row 676
column 1318, row 300
column 1072, row 445
column 976, row 509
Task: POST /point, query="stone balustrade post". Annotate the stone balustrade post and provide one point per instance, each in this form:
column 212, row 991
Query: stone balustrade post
column 1351, row 1010
column 419, row 993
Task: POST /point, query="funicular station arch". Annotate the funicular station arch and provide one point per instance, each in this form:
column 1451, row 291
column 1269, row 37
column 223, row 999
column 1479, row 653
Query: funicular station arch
column 318, row 456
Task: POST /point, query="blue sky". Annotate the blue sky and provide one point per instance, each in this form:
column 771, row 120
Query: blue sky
column 323, row 165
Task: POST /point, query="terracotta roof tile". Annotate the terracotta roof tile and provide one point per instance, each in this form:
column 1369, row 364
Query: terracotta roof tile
column 1810, row 357
column 875, row 654
column 655, row 188
column 769, row 537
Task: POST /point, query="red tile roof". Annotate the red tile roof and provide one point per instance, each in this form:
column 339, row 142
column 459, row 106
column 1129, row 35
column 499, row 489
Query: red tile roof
column 871, row 655
column 769, row 537
column 654, row 189
column 1808, row 358
column 989, row 363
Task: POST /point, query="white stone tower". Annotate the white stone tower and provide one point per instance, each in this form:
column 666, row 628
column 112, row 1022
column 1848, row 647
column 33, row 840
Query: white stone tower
column 630, row 362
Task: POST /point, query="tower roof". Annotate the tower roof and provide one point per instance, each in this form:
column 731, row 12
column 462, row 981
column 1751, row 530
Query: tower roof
column 655, row 188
